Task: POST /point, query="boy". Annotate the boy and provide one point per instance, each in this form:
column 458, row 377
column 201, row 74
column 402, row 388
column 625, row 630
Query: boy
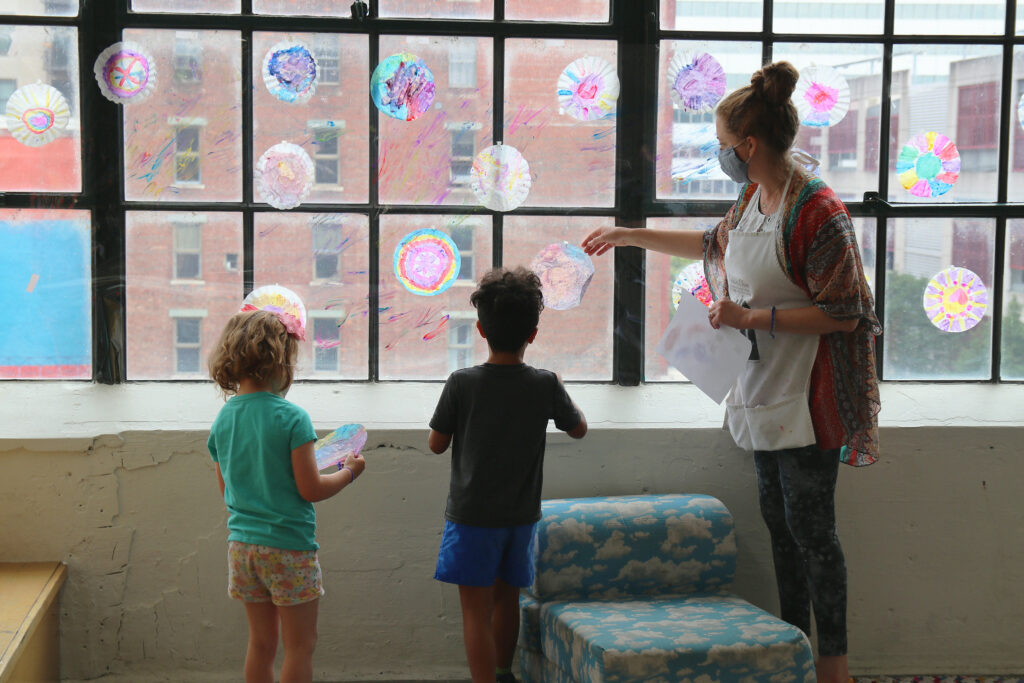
column 495, row 416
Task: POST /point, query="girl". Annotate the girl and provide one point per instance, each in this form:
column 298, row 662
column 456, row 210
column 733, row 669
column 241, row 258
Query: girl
column 262, row 447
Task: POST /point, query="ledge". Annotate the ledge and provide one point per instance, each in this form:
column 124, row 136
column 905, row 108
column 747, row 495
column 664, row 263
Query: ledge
column 68, row 410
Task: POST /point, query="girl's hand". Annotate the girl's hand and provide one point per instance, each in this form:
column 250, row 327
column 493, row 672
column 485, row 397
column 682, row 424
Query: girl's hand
column 730, row 314
column 603, row 239
column 355, row 462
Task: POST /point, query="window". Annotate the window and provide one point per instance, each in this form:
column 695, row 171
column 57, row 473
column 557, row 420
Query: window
column 327, row 245
column 462, row 235
column 462, row 63
column 463, row 147
column 326, row 340
column 327, row 51
column 326, row 159
column 186, row 345
column 186, row 155
column 188, row 57
column 7, row 88
column 5, row 41
column 978, row 125
column 842, row 143
column 188, row 250
column 460, row 344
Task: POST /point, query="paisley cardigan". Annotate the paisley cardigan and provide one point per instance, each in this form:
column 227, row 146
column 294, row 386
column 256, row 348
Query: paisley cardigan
column 817, row 249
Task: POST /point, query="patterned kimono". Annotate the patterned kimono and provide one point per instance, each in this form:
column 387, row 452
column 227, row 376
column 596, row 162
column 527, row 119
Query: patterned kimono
column 817, row 248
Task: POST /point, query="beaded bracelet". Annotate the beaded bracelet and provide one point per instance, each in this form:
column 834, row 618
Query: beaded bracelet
column 351, row 473
column 771, row 328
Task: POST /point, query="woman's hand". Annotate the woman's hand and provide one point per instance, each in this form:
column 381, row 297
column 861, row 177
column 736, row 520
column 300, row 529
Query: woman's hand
column 603, row 239
column 730, row 314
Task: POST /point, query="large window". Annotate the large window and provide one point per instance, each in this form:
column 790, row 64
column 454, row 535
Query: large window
column 257, row 156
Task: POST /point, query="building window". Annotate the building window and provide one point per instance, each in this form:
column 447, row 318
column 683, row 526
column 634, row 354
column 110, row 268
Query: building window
column 327, row 248
column 326, row 51
column 326, row 340
column 7, row 88
column 977, row 126
column 462, row 63
column 186, row 345
column 231, row 262
column 326, row 157
column 5, row 41
column 463, row 151
column 842, row 143
column 188, row 57
column 460, row 344
column 462, row 235
column 186, row 155
column 187, row 251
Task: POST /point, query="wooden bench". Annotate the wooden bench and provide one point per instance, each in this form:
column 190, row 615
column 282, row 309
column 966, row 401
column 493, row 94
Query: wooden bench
column 29, row 621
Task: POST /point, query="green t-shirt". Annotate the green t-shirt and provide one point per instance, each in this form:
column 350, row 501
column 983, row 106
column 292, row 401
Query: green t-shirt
column 252, row 440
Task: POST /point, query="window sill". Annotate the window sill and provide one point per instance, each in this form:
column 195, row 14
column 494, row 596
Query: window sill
column 86, row 410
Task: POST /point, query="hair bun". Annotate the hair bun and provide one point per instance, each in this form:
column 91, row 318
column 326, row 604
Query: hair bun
column 775, row 82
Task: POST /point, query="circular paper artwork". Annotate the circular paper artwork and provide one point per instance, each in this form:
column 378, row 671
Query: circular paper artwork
column 289, row 72
column 822, row 96
column 955, row 299
column 691, row 280
column 402, row 86
column 332, row 449
column 284, row 175
column 282, row 301
column 36, row 114
column 588, row 89
column 565, row 272
column 928, row 165
column 126, row 73
column 500, row 178
column 1020, row 111
column 696, row 81
column 427, row 262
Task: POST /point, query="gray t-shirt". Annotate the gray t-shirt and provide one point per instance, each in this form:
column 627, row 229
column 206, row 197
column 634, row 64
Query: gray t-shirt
column 498, row 416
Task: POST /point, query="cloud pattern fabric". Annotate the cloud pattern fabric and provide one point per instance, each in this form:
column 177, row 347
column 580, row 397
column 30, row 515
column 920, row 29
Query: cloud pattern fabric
column 633, row 588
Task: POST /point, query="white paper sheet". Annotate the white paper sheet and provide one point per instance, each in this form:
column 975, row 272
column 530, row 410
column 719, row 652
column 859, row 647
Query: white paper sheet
column 711, row 359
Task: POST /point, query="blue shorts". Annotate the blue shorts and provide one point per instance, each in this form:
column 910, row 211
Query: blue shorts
column 476, row 555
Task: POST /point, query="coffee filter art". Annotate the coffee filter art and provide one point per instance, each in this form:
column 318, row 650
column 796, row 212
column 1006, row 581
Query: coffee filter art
column 928, row 165
column 427, row 262
column 333, row 448
column 588, row 89
column 822, row 96
column 955, row 299
column 36, row 114
column 565, row 272
column 282, row 301
column 696, row 81
column 691, row 280
column 402, row 86
column 125, row 72
column 284, row 175
column 290, row 72
column 500, row 178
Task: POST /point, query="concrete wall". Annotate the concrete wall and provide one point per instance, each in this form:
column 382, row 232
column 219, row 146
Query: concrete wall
column 934, row 537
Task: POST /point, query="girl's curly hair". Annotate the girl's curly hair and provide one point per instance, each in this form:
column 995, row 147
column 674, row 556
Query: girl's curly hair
column 254, row 344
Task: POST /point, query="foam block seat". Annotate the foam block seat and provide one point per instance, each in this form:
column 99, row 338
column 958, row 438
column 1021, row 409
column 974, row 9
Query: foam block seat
column 634, row 588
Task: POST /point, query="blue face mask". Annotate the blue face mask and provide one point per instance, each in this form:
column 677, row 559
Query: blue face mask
column 733, row 166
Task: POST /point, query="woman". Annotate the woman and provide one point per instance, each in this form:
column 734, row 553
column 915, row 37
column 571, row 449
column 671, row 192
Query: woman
column 784, row 265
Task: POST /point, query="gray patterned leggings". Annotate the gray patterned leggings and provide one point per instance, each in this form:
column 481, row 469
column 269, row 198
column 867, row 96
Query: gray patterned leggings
column 797, row 491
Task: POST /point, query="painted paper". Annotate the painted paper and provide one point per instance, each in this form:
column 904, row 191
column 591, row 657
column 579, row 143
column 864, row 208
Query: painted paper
column 333, row 448
column 500, row 178
column 565, row 272
column 691, row 281
column 289, row 72
column 36, row 114
column 696, row 81
column 284, row 175
column 822, row 96
column 125, row 72
column 427, row 262
column 588, row 89
column 928, row 165
column 402, row 86
column 282, row 301
column 955, row 299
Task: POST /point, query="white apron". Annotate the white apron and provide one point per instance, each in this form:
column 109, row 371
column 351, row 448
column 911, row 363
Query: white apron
column 767, row 409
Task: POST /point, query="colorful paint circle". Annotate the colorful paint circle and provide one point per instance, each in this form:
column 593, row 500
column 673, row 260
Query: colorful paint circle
column 691, row 280
column 427, row 262
column 289, row 72
column 696, row 81
column 282, row 301
column 500, row 178
column 955, row 299
column 402, row 86
column 333, row 448
column 822, row 96
column 565, row 272
column 588, row 89
column 284, row 175
column 36, row 114
column 125, row 72
column 928, row 165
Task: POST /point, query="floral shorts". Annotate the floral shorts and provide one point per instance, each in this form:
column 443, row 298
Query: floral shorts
column 259, row 573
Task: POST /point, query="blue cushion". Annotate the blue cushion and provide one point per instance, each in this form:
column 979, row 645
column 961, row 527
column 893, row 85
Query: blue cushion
column 534, row 667
column 529, row 623
column 628, row 546
column 717, row 636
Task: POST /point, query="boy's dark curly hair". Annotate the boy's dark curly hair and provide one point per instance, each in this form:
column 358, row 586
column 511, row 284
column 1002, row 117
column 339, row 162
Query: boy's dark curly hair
column 508, row 304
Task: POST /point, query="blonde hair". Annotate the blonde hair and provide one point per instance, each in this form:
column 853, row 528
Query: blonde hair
column 254, row 344
column 764, row 109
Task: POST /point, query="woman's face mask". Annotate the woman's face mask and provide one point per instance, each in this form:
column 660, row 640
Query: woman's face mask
column 733, row 166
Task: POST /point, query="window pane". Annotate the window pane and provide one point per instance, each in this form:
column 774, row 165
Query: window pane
column 842, row 148
column 950, row 18
column 183, row 142
column 437, row 9
column 687, row 165
column 415, row 341
column 289, row 249
column 327, row 339
column 566, row 10
column 915, row 348
column 40, row 147
column 188, row 6
column 711, row 15
column 576, row 342
column 187, row 330
column 416, row 161
column 48, row 8
column 572, row 161
column 309, row 8
column 1012, row 358
column 1015, row 189
column 46, row 274
column 158, row 301
column 950, row 90
column 800, row 16
column 332, row 126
